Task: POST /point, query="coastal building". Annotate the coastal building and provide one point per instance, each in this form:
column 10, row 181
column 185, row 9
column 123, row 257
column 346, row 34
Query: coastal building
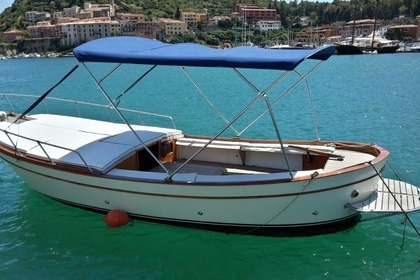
column 131, row 17
column 401, row 32
column 71, row 12
column 57, row 15
column 85, row 15
column 240, row 7
column 304, row 21
column 99, row 10
column 75, row 33
column 192, row 19
column 361, row 28
column 215, row 20
column 315, row 36
column 253, row 14
column 30, row 16
column 33, row 16
column 43, row 29
column 189, row 18
column 66, row 20
column 147, row 29
column 89, row 11
column 172, row 27
column 128, row 27
column 201, row 17
column 265, row 25
column 12, row 36
column 136, row 25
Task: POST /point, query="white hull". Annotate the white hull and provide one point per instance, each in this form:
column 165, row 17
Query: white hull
column 290, row 204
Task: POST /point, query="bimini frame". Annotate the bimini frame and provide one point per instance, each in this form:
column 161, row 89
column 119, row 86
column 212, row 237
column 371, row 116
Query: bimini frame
column 287, row 64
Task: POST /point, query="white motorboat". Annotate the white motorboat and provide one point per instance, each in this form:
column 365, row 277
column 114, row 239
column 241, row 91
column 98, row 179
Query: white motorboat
column 218, row 182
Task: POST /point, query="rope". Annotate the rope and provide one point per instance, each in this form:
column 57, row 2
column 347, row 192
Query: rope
column 403, row 240
column 393, row 170
column 395, row 199
column 45, row 94
column 313, row 175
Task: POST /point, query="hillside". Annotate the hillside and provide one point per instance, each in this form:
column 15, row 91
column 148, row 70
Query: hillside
column 320, row 12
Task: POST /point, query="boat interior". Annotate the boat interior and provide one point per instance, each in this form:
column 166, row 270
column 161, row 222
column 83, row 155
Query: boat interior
column 112, row 149
column 240, row 157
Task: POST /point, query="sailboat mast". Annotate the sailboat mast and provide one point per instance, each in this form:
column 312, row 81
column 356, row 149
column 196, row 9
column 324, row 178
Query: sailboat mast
column 375, row 11
column 354, row 24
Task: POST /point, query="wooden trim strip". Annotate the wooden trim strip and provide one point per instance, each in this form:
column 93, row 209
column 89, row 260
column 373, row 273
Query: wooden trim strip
column 186, row 196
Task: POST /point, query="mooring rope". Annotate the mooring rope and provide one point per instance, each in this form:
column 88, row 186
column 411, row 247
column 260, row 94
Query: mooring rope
column 313, row 175
column 42, row 97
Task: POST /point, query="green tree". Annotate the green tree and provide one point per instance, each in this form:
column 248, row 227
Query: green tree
column 178, row 13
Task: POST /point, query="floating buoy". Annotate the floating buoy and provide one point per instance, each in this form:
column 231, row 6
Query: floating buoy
column 116, row 218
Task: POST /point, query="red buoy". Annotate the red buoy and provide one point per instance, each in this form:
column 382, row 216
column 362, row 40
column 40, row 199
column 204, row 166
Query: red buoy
column 116, row 218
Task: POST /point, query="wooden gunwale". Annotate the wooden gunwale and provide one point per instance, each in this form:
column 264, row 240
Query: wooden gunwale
column 188, row 196
column 379, row 152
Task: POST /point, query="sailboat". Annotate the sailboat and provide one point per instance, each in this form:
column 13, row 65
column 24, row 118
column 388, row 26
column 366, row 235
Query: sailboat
column 348, row 46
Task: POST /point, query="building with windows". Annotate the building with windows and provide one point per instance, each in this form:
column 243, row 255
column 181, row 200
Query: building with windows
column 268, row 25
column 171, row 27
column 43, row 29
column 401, row 32
column 136, row 25
column 147, row 29
column 190, row 18
column 30, row 16
column 12, row 36
column 253, row 14
column 215, row 20
column 361, row 28
column 99, row 10
column 131, row 17
column 75, row 33
column 33, row 16
column 71, row 12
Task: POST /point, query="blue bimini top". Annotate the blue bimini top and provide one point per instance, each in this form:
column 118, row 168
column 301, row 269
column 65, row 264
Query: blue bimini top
column 136, row 50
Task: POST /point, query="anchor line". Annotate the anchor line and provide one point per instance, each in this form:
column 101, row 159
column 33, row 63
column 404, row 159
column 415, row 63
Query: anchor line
column 393, row 170
column 313, row 175
column 395, row 199
column 403, row 240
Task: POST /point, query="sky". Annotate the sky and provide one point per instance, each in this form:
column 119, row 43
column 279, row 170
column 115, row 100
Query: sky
column 4, row 4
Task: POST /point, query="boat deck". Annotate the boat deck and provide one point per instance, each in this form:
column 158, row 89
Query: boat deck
column 211, row 168
column 78, row 142
column 350, row 158
column 100, row 145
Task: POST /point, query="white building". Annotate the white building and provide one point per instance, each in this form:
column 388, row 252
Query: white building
column 100, row 10
column 30, row 15
column 75, row 33
column 215, row 20
column 71, row 12
column 268, row 25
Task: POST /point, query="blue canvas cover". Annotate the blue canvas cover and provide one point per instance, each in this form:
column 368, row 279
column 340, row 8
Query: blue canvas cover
column 138, row 50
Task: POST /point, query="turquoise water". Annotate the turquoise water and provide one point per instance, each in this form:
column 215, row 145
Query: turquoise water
column 371, row 98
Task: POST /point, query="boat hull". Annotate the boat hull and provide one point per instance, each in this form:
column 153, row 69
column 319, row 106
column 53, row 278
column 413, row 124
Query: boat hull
column 303, row 207
column 348, row 49
column 388, row 49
